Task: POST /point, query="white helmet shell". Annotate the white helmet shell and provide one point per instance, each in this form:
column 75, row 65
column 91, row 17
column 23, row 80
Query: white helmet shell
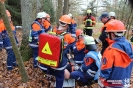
column 89, row 40
column 70, row 14
column 112, row 14
column 41, row 15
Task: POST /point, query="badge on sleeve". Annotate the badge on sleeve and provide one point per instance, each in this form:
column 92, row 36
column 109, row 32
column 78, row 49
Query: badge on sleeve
column 104, row 61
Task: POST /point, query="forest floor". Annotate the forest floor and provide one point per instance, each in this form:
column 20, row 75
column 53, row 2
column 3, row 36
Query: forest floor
column 12, row 79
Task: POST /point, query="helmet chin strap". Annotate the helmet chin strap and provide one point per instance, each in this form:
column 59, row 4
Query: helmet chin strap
column 109, row 34
column 115, row 34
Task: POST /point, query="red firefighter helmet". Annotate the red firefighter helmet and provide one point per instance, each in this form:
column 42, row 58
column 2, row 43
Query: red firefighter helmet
column 117, row 27
column 79, row 32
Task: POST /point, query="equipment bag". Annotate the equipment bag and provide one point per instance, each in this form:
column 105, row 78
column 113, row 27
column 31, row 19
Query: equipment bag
column 50, row 50
column 88, row 23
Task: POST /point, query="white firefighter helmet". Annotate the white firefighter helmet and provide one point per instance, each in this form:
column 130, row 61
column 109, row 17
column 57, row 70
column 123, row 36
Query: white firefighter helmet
column 112, row 14
column 89, row 43
column 70, row 15
column 88, row 40
column 41, row 15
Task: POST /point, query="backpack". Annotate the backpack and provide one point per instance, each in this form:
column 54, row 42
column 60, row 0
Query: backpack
column 50, row 49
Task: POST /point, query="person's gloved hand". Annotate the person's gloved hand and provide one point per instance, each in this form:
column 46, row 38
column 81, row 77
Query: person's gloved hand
column 76, row 67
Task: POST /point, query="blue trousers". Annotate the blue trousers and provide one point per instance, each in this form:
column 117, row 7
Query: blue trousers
column 77, row 75
column 11, row 60
column 59, row 75
column 35, row 55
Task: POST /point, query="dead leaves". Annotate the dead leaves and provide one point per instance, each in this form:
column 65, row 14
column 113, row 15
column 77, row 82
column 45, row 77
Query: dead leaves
column 12, row 79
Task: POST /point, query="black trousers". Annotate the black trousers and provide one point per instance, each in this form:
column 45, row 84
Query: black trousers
column 88, row 31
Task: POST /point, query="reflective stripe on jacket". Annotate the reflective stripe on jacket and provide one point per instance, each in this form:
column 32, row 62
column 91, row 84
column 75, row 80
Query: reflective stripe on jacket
column 117, row 61
column 91, row 64
column 4, row 38
column 36, row 30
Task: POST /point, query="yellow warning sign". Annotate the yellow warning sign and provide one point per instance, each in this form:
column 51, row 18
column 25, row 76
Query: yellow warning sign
column 46, row 49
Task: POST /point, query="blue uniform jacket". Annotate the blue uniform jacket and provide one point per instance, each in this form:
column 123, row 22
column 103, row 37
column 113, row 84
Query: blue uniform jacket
column 72, row 29
column 91, row 68
column 34, row 35
column 117, row 61
column 6, row 40
column 79, row 55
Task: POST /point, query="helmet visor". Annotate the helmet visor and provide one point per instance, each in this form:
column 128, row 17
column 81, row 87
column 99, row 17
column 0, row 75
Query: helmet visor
column 62, row 24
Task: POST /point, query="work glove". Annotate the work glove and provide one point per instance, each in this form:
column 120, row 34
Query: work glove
column 76, row 67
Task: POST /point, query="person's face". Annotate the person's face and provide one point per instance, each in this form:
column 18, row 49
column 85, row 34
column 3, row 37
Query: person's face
column 80, row 37
column 111, row 17
column 104, row 19
column 43, row 19
column 48, row 18
column 88, row 14
column 62, row 27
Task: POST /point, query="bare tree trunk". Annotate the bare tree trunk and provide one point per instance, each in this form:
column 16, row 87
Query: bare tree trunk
column 29, row 9
column 14, row 45
column 123, row 10
column 27, row 19
column 66, row 7
column 37, row 6
column 59, row 9
column 129, row 23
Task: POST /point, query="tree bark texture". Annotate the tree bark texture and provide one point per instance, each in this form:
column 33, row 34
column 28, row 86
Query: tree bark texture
column 29, row 10
column 59, row 10
column 66, row 7
column 14, row 45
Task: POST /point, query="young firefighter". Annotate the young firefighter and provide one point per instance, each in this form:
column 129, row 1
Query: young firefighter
column 79, row 47
column 5, row 42
column 78, row 51
column 89, row 22
column 90, row 68
column 68, row 42
column 117, row 59
column 47, row 24
column 36, row 29
column 103, row 37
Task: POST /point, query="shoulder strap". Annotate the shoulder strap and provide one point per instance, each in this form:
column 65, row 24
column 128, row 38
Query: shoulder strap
column 38, row 24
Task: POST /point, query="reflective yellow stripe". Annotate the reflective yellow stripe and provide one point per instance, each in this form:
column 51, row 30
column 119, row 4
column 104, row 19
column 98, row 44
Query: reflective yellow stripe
column 62, row 40
column 47, row 62
column 30, row 39
column 88, row 27
column 89, row 20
